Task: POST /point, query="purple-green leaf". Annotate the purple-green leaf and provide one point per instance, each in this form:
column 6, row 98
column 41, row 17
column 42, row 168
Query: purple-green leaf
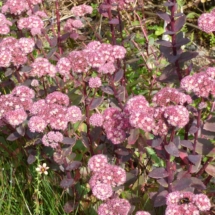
column 158, row 173
column 66, row 183
column 172, row 149
column 96, row 102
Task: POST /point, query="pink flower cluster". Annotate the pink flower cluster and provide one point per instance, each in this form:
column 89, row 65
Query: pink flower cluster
column 158, row 119
column 13, row 106
column 201, row 84
column 52, row 139
column 41, row 67
column 96, row 120
column 186, row 203
column 18, row 6
column 95, row 82
column 116, row 124
column 206, row 22
column 34, row 23
column 168, row 96
column 72, row 25
column 105, row 176
column 81, row 10
column 4, row 24
column 64, row 66
column 15, row 51
column 114, row 206
column 54, row 111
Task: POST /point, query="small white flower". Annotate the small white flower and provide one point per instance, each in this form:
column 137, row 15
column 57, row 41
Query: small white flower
column 42, row 169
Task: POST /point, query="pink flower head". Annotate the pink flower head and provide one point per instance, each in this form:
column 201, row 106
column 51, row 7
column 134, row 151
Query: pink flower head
column 57, row 98
column 35, row 83
column 119, row 175
column 37, row 124
column 118, row 52
column 116, row 124
column 211, row 72
column 177, row 116
column 73, row 24
column 202, row 202
column 5, row 57
column 160, row 127
column 52, row 139
column 93, row 45
column 137, row 104
column 16, row 117
column 26, row 45
column 202, row 84
column 73, row 114
column 107, row 68
column 142, row 213
column 96, row 120
column 23, row 91
column 186, row 209
column 95, row 82
column 102, row 191
column 33, row 23
column 56, row 116
column 78, row 61
column 206, row 22
column 42, row 67
column 169, row 95
column 95, row 58
column 15, row 6
column 4, row 24
column 38, row 106
column 64, row 66
column 114, row 206
column 97, row 162
column 81, row 10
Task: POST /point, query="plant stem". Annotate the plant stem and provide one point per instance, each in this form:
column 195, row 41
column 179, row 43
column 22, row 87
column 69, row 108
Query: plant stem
column 58, row 26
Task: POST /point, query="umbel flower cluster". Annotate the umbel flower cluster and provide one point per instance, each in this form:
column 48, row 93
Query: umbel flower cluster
column 186, row 203
column 206, row 22
column 104, row 176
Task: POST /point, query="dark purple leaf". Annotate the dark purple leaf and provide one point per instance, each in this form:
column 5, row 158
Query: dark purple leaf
column 195, row 159
column 193, row 129
column 160, row 199
column 36, row 8
column 118, row 75
column 39, row 43
column 31, row 159
column 50, row 54
column 210, row 125
column 205, row 147
column 134, row 135
column 197, row 183
column 164, row 43
column 176, row 141
column 96, row 102
column 69, row 141
column 169, row 33
column 172, row 149
column 164, row 16
column 107, row 89
column 96, row 133
column 210, row 169
column 122, row 151
column 185, row 56
column 66, row 151
column 64, row 37
column 114, row 21
column 186, row 143
column 179, row 23
column 66, row 183
column 20, row 130
column 25, row 69
column 58, row 157
column 121, row 93
column 69, row 207
column 13, row 136
column 8, row 72
column 131, row 177
column 182, row 42
column 182, row 184
column 162, row 182
column 156, row 142
column 74, row 165
column 85, row 140
column 158, row 173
